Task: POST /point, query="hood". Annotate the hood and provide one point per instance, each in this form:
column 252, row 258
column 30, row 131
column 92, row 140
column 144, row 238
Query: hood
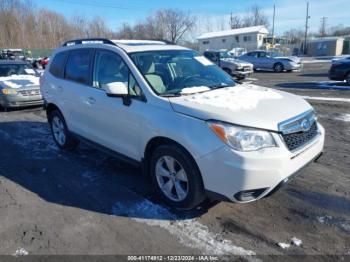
column 236, row 62
column 245, row 104
column 19, row 81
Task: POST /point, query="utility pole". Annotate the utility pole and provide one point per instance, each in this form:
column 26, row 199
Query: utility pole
column 323, row 26
column 306, row 26
column 273, row 26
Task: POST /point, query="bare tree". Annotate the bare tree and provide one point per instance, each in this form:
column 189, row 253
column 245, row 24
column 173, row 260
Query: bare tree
column 255, row 17
column 235, row 21
column 175, row 22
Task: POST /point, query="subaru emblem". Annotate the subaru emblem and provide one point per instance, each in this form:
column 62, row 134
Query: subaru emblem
column 305, row 125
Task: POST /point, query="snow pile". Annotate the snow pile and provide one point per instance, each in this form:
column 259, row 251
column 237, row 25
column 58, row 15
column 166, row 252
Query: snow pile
column 295, row 241
column 240, row 97
column 20, row 252
column 190, row 232
column 284, row 245
column 17, row 81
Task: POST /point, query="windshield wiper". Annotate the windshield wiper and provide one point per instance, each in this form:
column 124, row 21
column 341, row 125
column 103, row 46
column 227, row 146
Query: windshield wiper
column 218, row 86
column 170, row 94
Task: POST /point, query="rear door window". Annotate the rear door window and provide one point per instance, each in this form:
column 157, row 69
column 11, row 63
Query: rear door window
column 57, row 64
column 78, row 66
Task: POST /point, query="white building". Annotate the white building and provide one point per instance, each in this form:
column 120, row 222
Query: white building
column 250, row 38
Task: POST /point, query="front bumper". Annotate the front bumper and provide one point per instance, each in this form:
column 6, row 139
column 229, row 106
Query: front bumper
column 294, row 66
column 12, row 101
column 230, row 173
column 242, row 73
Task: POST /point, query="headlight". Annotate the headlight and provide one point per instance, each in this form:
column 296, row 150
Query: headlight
column 239, row 67
column 6, row 91
column 242, row 138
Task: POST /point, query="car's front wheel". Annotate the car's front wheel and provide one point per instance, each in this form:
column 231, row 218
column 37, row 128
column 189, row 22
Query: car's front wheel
column 175, row 177
column 61, row 135
column 278, row 67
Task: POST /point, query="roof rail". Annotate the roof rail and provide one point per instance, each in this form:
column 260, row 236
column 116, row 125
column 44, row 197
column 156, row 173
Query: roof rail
column 88, row 41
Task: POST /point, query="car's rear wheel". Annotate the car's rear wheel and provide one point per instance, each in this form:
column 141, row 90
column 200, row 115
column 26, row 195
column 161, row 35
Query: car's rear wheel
column 278, row 67
column 61, row 135
column 175, row 177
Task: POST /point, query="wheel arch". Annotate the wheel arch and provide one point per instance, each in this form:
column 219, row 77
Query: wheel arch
column 50, row 108
column 153, row 143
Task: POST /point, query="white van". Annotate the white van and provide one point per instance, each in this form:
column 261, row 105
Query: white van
column 192, row 128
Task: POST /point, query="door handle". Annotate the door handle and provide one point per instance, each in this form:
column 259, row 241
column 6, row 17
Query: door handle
column 90, row 101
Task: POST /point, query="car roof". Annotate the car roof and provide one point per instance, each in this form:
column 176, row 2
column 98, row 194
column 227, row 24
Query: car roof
column 129, row 46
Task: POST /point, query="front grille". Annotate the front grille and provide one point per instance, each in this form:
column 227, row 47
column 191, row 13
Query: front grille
column 298, row 139
column 31, row 92
column 246, row 68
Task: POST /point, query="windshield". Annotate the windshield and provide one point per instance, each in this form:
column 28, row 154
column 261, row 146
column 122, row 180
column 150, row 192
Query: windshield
column 16, row 69
column 225, row 55
column 177, row 71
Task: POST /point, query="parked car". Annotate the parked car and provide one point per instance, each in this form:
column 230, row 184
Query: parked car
column 12, row 54
column 340, row 70
column 19, row 85
column 229, row 64
column 271, row 61
column 190, row 126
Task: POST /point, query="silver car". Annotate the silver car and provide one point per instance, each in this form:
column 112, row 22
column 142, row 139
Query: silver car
column 271, row 61
column 239, row 69
column 19, row 85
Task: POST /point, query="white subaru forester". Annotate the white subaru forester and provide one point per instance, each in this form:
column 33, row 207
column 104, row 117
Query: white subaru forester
column 193, row 130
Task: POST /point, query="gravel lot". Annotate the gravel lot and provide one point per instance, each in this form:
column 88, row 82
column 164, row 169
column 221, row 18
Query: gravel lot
column 85, row 202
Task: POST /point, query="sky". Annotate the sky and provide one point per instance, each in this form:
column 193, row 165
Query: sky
column 289, row 13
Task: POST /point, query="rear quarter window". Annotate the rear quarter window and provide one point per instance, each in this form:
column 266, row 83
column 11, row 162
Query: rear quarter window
column 57, row 64
column 78, row 67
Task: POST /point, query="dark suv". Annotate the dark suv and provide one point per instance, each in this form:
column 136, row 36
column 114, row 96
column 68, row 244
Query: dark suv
column 340, row 70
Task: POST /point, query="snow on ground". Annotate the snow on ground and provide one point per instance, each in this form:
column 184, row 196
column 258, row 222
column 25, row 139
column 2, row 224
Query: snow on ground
column 331, row 99
column 338, row 222
column 20, row 252
column 284, row 245
column 343, row 117
column 296, row 241
column 190, row 232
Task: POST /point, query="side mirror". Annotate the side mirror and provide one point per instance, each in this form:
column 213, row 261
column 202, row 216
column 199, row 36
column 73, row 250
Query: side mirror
column 118, row 89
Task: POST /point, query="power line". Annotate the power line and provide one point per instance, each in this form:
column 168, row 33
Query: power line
column 97, row 4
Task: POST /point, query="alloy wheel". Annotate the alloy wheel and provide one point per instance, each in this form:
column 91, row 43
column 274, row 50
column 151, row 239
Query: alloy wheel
column 58, row 130
column 172, row 178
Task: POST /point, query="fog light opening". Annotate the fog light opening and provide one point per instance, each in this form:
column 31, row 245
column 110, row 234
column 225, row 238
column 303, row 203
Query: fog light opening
column 249, row 195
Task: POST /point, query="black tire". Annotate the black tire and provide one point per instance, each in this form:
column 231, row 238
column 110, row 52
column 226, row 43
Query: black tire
column 278, row 67
column 70, row 142
column 196, row 193
column 3, row 108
